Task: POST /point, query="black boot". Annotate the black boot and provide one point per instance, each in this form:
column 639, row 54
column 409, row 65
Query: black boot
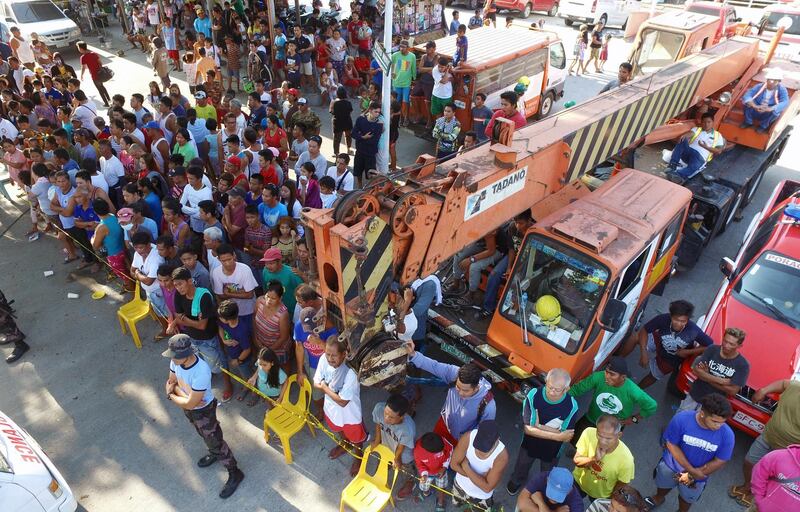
column 235, row 477
column 20, row 348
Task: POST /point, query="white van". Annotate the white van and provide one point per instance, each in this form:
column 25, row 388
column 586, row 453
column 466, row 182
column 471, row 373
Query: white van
column 41, row 17
column 611, row 12
column 29, row 481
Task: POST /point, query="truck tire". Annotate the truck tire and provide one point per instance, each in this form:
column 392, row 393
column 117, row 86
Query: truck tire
column 548, row 100
column 553, row 10
column 568, row 22
column 526, row 11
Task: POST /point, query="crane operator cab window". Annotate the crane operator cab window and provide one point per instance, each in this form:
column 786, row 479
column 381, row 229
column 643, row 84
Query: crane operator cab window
column 553, row 293
column 658, row 48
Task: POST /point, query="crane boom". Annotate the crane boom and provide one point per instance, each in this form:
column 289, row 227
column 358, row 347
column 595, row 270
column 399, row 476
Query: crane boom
column 391, row 231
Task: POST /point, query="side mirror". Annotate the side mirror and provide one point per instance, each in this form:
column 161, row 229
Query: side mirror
column 613, row 315
column 738, row 20
column 726, row 266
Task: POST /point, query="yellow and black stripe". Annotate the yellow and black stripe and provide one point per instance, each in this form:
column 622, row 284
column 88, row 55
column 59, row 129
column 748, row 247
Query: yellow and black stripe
column 376, row 270
column 605, row 137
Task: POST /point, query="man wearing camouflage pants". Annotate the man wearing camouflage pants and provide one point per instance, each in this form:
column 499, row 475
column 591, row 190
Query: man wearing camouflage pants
column 189, row 387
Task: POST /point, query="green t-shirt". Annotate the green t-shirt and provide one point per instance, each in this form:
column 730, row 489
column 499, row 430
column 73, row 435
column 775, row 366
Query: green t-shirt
column 290, row 282
column 207, row 112
column 784, row 429
column 620, row 402
column 404, row 68
column 187, row 150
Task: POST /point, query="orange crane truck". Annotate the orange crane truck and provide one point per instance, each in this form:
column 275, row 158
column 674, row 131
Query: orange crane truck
column 599, row 254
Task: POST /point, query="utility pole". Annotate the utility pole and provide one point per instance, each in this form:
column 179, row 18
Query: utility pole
column 386, row 89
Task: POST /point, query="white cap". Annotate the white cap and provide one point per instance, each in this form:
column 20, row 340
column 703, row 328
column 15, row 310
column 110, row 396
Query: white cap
column 774, row 74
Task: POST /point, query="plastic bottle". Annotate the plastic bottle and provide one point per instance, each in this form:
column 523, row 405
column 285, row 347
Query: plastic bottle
column 569, row 104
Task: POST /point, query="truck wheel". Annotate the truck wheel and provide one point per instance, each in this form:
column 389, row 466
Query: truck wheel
column 526, row 11
column 553, row 10
column 547, row 105
column 568, row 22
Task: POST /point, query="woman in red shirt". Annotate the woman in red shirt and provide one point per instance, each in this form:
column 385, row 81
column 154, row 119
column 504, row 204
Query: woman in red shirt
column 267, row 167
column 275, row 137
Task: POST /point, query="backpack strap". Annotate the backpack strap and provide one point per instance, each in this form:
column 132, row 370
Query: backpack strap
column 488, row 397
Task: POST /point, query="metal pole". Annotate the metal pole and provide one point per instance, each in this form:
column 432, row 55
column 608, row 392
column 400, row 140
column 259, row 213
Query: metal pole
column 123, row 18
column 297, row 14
column 386, row 89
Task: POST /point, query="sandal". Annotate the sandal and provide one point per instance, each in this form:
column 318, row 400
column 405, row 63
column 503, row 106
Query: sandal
column 652, row 503
column 745, row 500
column 242, row 395
column 737, row 491
column 226, row 396
column 253, row 401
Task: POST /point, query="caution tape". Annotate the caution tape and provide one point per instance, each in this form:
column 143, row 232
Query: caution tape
column 307, row 417
column 347, row 446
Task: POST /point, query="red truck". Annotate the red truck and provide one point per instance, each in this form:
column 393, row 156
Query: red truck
column 726, row 14
column 761, row 295
column 524, row 7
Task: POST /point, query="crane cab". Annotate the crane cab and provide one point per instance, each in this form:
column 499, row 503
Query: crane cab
column 583, row 273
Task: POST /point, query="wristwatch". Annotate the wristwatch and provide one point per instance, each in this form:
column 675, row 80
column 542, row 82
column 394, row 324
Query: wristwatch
column 472, row 259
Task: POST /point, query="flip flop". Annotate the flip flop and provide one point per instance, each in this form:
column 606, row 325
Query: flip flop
column 745, row 501
column 253, row 401
column 737, row 491
column 652, row 503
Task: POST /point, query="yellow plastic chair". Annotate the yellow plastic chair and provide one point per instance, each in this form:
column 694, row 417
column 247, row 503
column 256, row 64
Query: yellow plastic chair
column 130, row 313
column 371, row 493
column 288, row 418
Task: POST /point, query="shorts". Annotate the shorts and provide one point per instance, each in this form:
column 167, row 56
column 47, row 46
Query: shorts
column 233, row 73
column 758, row 449
column 439, row 481
column 652, row 353
column 173, row 54
column 278, row 64
column 363, row 163
column 594, row 52
column 688, row 404
column 438, row 104
column 158, row 303
column 355, row 433
column 316, row 393
column 403, row 94
column 461, row 497
column 305, row 67
column 211, row 352
column 665, row 479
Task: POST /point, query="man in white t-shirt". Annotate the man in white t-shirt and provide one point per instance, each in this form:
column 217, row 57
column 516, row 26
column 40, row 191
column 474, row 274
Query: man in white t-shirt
column 234, row 280
column 342, row 175
column 7, row 129
column 695, row 149
column 342, row 406
column 85, row 112
column 146, row 261
column 442, row 87
column 110, row 166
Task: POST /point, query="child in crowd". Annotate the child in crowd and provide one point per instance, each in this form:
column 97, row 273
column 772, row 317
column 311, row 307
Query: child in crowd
column 342, row 405
column 461, row 46
column 432, row 458
column 395, row 429
column 327, row 192
column 308, row 189
column 213, row 148
column 236, row 336
column 579, row 50
column 604, row 50
column 285, row 239
column 269, row 378
column 292, row 65
column 190, row 68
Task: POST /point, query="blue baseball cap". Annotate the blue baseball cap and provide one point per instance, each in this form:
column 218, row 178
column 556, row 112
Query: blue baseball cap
column 559, row 484
column 152, row 124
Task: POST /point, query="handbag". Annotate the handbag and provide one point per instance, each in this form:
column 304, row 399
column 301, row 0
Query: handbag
column 104, row 74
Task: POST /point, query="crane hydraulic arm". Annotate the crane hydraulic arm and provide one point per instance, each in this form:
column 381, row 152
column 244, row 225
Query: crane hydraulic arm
column 393, row 231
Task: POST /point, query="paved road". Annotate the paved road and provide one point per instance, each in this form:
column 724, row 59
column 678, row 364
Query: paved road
column 94, row 402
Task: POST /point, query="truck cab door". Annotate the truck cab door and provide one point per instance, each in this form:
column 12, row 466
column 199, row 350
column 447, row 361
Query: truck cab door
column 556, row 69
column 463, row 87
column 629, row 290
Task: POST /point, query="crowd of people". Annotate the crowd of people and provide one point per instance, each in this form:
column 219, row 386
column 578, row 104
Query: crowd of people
column 193, row 199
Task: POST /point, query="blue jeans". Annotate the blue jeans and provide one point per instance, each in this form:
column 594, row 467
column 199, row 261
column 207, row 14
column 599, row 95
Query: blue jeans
column 211, row 353
column 493, row 284
column 694, row 162
column 763, row 119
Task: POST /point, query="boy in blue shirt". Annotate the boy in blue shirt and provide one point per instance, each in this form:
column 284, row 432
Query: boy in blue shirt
column 696, row 445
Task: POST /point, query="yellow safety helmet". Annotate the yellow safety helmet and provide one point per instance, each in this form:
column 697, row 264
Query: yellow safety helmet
column 548, row 309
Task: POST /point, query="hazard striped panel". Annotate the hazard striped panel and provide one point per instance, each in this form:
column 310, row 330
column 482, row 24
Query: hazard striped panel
column 376, row 270
column 599, row 140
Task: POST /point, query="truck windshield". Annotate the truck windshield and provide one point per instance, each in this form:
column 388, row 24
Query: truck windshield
column 770, row 23
column 4, row 466
column 34, row 12
column 657, row 49
column 772, row 285
column 558, row 283
column 701, row 9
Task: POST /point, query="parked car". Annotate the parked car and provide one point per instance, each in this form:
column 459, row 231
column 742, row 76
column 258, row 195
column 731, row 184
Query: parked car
column 29, row 481
column 761, row 295
column 724, row 12
column 524, row 8
column 40, row 17
column 610, row 12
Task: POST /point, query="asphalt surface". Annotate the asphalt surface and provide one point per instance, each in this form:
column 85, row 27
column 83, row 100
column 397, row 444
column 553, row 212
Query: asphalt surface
column 95, row 403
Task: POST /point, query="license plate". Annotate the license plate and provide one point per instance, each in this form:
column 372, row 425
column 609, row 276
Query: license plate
column 748, row 422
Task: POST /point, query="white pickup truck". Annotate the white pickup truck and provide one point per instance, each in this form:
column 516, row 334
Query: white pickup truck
column 29, row 481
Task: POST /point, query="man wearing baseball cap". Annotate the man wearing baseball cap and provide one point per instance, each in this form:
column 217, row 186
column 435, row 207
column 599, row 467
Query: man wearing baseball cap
column 311, row 332
column 189, row 387
column 479, row 460
column 551, row 490
column 276, row 270
column 204, row 109
column 306, row 116
column 612, row 393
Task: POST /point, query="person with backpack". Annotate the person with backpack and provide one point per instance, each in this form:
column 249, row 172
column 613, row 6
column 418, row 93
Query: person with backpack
column 469, row 399
column 91, row 61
